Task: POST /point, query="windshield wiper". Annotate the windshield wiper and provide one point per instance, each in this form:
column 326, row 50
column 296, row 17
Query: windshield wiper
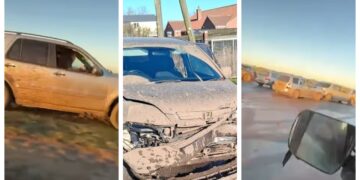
column 167, row 80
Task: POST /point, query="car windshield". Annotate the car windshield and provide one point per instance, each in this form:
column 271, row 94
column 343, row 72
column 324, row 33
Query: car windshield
column 284, row 78
column 165, row 64
column 323, row 85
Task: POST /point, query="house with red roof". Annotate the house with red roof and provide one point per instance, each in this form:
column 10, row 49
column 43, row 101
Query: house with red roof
column 217, row 18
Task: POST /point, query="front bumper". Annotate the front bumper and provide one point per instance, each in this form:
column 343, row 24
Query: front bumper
column 155, row 161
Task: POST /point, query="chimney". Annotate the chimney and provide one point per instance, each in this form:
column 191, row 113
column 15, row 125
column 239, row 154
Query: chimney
column 198, row 13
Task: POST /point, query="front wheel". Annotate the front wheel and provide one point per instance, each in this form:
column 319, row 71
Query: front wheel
column 114, row 117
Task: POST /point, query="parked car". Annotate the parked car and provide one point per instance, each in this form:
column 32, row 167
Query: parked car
column 337, row 93
column 266, row 77
column 296, row 87
column 247, row 73
column 325, row 140
column 179, row 111
column 51, row 73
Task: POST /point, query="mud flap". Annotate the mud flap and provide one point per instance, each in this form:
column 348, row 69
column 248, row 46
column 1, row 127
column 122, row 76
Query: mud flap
column 286, row 157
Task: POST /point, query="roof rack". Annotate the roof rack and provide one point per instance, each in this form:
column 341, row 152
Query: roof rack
column 36, row 35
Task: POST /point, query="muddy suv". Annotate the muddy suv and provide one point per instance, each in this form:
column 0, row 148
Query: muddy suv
column 179, row 111
column 55, row 74
column 296, row 87
column 337, row 93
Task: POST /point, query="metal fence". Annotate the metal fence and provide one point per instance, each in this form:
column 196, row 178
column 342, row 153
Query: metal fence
column 225, row 51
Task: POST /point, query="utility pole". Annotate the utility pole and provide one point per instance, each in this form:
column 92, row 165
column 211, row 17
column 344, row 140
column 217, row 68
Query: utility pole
column 185, row 14
column 159, row 27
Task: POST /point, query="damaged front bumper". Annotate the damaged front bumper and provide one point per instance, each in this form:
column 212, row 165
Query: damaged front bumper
column 216, row 143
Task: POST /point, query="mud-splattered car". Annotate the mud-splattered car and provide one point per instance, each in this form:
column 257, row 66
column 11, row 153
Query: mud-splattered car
column 52, row 73
column 179, row 112
column 337, row 93
column 296, row 87
column 247, row 73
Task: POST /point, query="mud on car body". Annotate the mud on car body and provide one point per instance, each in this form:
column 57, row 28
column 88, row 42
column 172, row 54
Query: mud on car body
column 52, row 73
column 179, row 111
column 296, row 87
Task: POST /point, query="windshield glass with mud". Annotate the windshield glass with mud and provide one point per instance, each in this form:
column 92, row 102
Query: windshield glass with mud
column 165, row 64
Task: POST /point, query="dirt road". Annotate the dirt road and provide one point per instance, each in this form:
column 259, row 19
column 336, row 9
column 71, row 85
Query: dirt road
column 42, row 144
column 266, row 122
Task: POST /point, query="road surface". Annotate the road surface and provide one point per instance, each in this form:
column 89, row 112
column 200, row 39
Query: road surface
column 266, row 121
column 43, row 145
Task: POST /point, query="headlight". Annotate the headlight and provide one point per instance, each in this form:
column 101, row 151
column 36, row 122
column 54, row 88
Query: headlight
column 144, row 114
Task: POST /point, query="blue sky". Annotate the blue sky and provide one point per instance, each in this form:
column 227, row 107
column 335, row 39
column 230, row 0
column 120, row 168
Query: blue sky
column 313, row 38
column 91, row 24
column 171, row 8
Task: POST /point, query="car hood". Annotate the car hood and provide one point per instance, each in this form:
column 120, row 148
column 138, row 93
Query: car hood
column 173, row 97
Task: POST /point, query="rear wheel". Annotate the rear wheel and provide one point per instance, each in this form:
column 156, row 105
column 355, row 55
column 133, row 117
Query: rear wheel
column 114, row 117
column 7, row 98
column 260, row 84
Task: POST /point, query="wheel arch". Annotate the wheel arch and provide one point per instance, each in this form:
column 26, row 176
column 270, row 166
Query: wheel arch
column 11, row 90
column 111, row 106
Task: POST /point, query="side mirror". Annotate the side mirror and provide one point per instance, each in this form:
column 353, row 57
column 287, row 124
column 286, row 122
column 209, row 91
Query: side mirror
column 321, row 141
column 226, row 71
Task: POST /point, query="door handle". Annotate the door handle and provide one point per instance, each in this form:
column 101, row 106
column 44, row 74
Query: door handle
column 10, row 65
column 59, row 73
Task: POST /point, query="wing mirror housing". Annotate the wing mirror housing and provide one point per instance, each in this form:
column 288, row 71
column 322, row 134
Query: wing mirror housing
column 321, row 141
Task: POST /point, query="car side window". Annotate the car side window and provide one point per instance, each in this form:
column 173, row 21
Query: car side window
column 296, row 80
column 29, row 51
column 14, row 52
column 71, row 60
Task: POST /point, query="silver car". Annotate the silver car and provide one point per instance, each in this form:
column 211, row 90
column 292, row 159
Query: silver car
column 55, row 74
column 267, row 78
column 179, row 110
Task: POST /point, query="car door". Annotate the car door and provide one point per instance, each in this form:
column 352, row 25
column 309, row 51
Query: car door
column 75, row 88
column 26, row 71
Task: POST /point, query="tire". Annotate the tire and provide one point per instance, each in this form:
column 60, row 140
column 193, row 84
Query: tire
column 7, row 98
column 114, row 117
column 126, row 174
column 295, row 94
column 328, row 97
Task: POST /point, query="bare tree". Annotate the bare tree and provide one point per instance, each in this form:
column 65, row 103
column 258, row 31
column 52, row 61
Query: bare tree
column 130, row 11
